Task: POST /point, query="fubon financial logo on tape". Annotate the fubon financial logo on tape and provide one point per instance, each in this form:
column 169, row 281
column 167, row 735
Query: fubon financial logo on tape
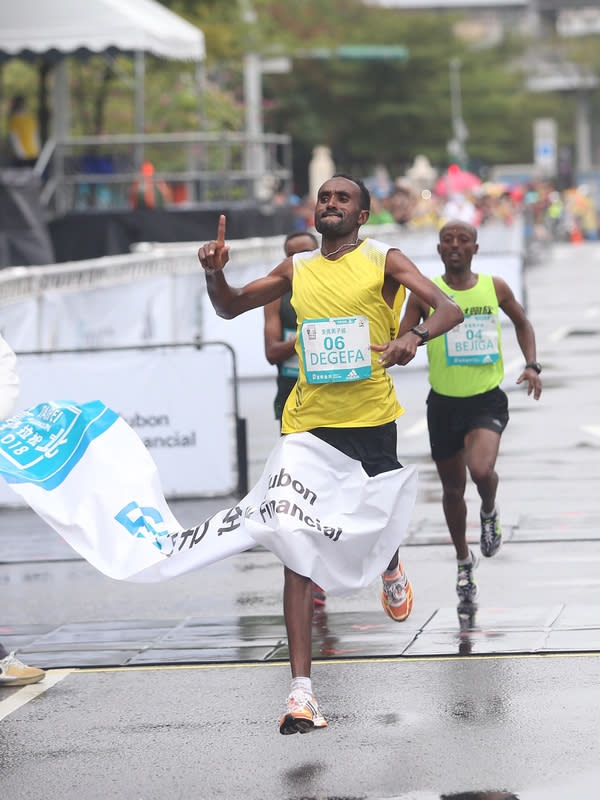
column 146, row 522
column 42, row 444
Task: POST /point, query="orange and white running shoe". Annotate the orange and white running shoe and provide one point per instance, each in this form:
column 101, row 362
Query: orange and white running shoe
column 302, row 714
column 397, row 595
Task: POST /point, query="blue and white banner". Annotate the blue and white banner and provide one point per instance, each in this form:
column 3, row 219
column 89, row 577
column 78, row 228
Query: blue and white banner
column 89, row 476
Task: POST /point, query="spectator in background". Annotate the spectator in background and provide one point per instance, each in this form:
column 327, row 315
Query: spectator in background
column 504, row 209
column 460, row 208
column 146, row 191
column 23, row 133
column 304, row 217
column 426, row 211
column 588, row 214
column 402, row 203
column 555, row 214
column 380, row 215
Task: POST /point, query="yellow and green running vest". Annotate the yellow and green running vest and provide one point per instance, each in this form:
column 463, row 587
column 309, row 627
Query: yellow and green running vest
column 467, row 361
column 348, row 287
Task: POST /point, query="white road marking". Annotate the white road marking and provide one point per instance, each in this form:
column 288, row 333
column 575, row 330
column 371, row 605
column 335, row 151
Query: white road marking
column 560, row 333
column 26, row 693
column 417, row 428
column 575, row 583
column 514, row 364
column 593, row 429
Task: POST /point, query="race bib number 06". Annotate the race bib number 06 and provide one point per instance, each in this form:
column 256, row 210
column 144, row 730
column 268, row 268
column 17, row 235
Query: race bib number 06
column 336, row 350
column 474, row 341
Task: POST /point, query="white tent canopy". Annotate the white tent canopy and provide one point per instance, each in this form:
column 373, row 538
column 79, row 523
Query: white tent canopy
column 58, row 28
column 62, row 27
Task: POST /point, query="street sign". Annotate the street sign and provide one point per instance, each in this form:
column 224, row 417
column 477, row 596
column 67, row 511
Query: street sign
column 370, row 52
column 545, row 145
column 281, row 65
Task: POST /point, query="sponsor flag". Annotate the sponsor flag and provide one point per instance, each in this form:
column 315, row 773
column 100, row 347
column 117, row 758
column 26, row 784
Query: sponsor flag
column 89, row 476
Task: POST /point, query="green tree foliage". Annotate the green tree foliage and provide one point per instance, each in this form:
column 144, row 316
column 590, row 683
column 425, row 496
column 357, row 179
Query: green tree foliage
column 219, row 21
column 102, row 98
column 388, row 111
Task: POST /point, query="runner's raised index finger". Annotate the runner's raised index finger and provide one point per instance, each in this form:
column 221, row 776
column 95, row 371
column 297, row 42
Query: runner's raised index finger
column 221, row 230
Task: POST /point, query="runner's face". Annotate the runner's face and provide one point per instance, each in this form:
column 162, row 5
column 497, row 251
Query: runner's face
column 337, row 212
column 457, row 246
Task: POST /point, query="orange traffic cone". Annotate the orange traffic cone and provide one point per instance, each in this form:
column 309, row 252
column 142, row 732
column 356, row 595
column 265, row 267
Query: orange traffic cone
column 576, row 235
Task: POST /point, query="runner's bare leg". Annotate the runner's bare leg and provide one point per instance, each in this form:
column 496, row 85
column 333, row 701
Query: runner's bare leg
column 298, row 613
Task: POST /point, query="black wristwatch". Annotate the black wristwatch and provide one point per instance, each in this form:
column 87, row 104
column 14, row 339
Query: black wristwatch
column 421, row 331
column 534, row 365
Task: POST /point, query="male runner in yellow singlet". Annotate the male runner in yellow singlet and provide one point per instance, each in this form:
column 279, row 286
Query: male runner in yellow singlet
column 351, row 278
column 466, row 408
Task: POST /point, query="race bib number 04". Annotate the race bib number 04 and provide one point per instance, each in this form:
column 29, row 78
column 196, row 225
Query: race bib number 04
column 336, row 350
column 474, row 341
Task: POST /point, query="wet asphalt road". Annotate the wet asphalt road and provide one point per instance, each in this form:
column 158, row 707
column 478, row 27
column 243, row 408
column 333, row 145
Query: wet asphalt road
column 176, row 689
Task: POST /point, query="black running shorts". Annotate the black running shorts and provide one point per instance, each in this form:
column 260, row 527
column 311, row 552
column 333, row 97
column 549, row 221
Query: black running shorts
column 449, row 419
column 375, row 448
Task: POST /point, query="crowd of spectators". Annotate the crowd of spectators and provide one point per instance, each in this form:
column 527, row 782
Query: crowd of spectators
column 548, row 214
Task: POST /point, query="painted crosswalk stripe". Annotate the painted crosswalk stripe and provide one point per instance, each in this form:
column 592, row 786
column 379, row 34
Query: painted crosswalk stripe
column 26, row 693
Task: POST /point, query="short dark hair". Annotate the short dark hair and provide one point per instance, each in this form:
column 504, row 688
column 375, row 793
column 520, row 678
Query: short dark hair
column 17, row 103
column 365, row 195
column 471, row 228
column 296, row 234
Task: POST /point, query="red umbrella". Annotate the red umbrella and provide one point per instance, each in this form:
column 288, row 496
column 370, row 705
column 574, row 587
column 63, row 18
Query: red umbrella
column 456, row 181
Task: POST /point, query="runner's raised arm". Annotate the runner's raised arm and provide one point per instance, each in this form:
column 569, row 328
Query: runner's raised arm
column 228, row 301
